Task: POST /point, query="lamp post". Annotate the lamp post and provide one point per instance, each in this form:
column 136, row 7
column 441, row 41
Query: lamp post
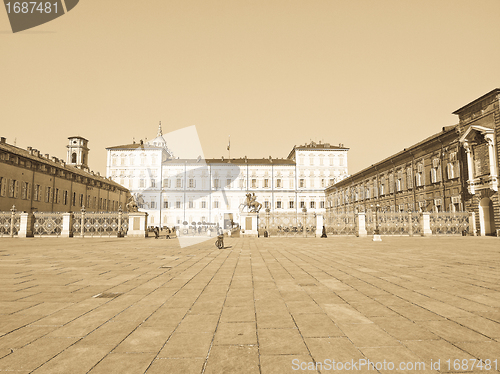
column 376, row 233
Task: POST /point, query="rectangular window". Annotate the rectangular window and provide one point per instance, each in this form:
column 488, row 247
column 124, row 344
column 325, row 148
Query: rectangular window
column 166, row 183
column 165, row 204
column 302, row 204
column 302, row 183
column 191, row 204
column 266, row 183
column 322, row 183
column 254, row 183
column 322, row 204
column 291, row 183
column 291, row 204
column 332, row 181
column 24, row 190
column 74, row 199
column 178, row 204
column 312, row 204
column 203, row 204
column 65, row 196
column 153, row 183
column 141, row 183
column 216, row 184
column 216, row 204
column 278, row 183
column 3, row 186
column 191, row 183
column 178, row 183
column 278, row 204
column 228, row 183
column 153, row 204
column 48, row 194
column 266, row 204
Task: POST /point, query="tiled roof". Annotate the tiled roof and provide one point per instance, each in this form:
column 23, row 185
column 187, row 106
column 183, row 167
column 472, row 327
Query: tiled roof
column 236, row 161
column 41, row 159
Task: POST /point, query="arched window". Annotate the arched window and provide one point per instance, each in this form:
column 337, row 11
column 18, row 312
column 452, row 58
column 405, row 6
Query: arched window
column 73, row 158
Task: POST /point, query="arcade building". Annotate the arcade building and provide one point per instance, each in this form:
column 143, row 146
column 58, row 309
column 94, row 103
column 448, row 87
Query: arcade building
column 453, row 170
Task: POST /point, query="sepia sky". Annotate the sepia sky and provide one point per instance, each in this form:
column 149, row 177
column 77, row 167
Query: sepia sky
column 375, row 75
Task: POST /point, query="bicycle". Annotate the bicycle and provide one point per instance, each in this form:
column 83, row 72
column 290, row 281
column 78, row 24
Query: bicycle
column 219, row 243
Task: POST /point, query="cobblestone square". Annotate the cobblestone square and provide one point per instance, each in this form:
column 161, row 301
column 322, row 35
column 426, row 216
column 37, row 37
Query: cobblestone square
column 266, row 305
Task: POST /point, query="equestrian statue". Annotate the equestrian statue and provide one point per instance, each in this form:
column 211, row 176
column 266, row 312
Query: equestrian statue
column 251, row 203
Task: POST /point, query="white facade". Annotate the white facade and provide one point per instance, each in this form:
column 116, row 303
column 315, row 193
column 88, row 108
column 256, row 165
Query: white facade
column 173, row 190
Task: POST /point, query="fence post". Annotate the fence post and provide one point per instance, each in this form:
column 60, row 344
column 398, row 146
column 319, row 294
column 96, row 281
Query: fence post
column 361, row 225
column 82, row 228
column 268, row 214
column 410, row 222
column 12, row 218
column 319, row 225
column 120, row 213
column 304, row 221
column 472, row 223
column 25, row 225
column 426, row 224
column 67, row 225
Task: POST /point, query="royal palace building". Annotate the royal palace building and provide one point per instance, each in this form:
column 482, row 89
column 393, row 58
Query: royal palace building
column 33, row 182
column 453, row 170
column 175, row 190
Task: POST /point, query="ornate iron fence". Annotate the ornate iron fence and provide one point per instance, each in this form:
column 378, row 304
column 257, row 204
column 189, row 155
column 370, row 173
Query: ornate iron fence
column 449, row 223
column 47, row 223
column 389, row 223
column 340, row 224
column 99, row 224
column 287, row 224
column 6, row 223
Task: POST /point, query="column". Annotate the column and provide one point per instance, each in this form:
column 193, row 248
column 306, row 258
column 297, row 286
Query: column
column 470, row 168
column 319, row 225
column 361, row 225
column 67, row 225
column 25, row 225
column 425, row 221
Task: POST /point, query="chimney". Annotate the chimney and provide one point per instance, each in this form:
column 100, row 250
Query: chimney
column 30, row 150
column 3, row 140
column 47, row 156
column 55, row 159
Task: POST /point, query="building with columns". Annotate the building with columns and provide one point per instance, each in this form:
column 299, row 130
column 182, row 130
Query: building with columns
column 453, row 170
column 34, row 182
column 175, row 190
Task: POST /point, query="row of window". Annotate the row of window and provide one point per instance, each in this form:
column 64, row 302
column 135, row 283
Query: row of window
column 215, row 204
column 332, row 160
column 217, row 183
column 22, row 190
column 403, row 182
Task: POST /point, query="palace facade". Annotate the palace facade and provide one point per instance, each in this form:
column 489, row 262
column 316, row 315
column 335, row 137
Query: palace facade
column 173, row 190
column 33, row 182
column 453, row 170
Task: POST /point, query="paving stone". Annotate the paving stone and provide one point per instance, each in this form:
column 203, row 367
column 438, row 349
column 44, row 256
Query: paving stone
column 121, row 363
column 73, row 360
column 281, row 341
column 316, row 325
column 183, row 345
column 145, row 339
column 176, row 365
column 233, row 359
column 241, row 333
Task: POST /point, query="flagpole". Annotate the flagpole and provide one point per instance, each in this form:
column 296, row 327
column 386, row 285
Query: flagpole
column 229, row 147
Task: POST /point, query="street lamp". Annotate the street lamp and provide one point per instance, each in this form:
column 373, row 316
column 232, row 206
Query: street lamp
column 376, row 233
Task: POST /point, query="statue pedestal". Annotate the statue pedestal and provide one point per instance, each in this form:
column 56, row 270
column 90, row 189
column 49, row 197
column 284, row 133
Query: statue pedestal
column 249, row 224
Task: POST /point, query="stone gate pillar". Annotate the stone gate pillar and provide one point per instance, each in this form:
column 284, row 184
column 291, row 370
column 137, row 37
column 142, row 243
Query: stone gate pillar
column 361, row 225
column 137, row 225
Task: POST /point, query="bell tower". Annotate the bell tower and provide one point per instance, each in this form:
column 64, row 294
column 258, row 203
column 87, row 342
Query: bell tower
column 78, row 152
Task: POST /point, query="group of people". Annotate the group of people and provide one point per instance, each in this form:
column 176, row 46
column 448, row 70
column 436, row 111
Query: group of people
column 156, row 231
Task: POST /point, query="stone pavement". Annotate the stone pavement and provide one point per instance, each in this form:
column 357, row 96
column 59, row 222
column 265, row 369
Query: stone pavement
column 264, row 305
